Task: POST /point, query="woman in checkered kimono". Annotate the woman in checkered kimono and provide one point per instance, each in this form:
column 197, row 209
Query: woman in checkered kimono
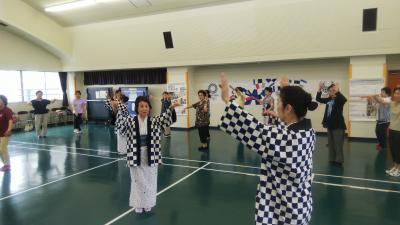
column 143, row 134
column 286, row 148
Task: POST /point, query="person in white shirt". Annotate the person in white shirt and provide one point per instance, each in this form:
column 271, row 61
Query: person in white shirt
column 383, row 101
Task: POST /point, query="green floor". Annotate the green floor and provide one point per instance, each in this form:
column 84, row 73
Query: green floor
column 66, row 179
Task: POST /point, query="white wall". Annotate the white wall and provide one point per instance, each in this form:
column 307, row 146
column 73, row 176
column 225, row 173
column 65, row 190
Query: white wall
column 36, row 26
column 17, row 53
column 250, row 31
column 311, row 70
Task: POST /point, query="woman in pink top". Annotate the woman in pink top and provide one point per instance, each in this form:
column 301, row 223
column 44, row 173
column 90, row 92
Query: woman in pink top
column 79, row 109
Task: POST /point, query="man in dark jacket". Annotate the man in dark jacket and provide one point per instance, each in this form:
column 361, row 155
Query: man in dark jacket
column 334, row 121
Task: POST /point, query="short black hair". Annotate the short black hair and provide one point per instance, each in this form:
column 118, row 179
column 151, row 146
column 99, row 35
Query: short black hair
column 3, row 98
column 269, row 89
column 208, row 93
column 39, row 92
column 387, row 90
column 139, row 100
column 300, row 100
column 78, row 92
column 203, row 92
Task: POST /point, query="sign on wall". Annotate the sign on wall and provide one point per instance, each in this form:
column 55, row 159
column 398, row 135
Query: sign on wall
column 180, row 95
column 362, row 109
column 254, row 89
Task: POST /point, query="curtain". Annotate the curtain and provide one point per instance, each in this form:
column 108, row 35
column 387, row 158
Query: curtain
column 138, row 76
column 63, row 81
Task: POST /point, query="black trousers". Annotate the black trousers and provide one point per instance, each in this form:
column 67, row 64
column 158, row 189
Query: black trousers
column 204, row 132
column 380, row 131
column 394, row 144
column 77, row 121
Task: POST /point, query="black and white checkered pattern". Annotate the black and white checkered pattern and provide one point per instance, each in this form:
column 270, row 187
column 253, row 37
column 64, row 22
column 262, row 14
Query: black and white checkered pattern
column 127, row 126
column 284, row 190
column 123, row 111
column 108, row 105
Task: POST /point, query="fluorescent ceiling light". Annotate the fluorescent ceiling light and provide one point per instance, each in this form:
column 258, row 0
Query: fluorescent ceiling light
column 70, row 5
column 140, row 3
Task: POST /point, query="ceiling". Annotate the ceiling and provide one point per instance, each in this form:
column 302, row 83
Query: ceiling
column 105, row 10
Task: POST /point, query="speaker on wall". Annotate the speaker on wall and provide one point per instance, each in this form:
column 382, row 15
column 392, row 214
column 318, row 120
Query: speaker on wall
column 168, row 40
column 369, row 19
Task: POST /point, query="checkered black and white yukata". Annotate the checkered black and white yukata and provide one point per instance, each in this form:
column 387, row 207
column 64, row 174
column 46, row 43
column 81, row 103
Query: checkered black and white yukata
column 128, row 125
column 121, row 139
column 284, row 190
column 143, row 154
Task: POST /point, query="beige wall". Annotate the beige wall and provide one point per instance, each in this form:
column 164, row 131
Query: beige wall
column 36, row 26
column 17, row 53
column 248, row 31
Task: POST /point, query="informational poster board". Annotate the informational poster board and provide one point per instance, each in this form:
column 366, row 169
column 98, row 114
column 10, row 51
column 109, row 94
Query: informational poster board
column 360, row 108
column 180, row 95
column 101, row 94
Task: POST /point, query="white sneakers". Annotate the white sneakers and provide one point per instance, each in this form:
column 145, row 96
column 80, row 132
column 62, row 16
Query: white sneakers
column 394, row 172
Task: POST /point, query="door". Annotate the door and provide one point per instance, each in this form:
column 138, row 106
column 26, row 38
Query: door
column 394, row 79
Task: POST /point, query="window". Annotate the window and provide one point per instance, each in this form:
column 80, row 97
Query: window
column 47, row 82
column 11, row 85
column 53, row 86
column 32, row 82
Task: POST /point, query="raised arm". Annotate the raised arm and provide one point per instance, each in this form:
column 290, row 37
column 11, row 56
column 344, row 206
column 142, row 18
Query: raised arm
column 381, row 100
column 322, row 100
column 267, row 141
column 108, row 105
column 125, row 123
column 165, row 119
column 319, row 93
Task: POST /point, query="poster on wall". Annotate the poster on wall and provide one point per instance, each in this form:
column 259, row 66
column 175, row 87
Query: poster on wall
column 101, row 94
column 180, row 95
column 254, row 88
column 362, row 109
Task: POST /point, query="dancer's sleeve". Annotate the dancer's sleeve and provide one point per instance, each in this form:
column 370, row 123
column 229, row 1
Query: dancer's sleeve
column 276, row 121
column 275, row 143
column 107, row 105
column 125, row 123
column 123, row 109
column 164, row 119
